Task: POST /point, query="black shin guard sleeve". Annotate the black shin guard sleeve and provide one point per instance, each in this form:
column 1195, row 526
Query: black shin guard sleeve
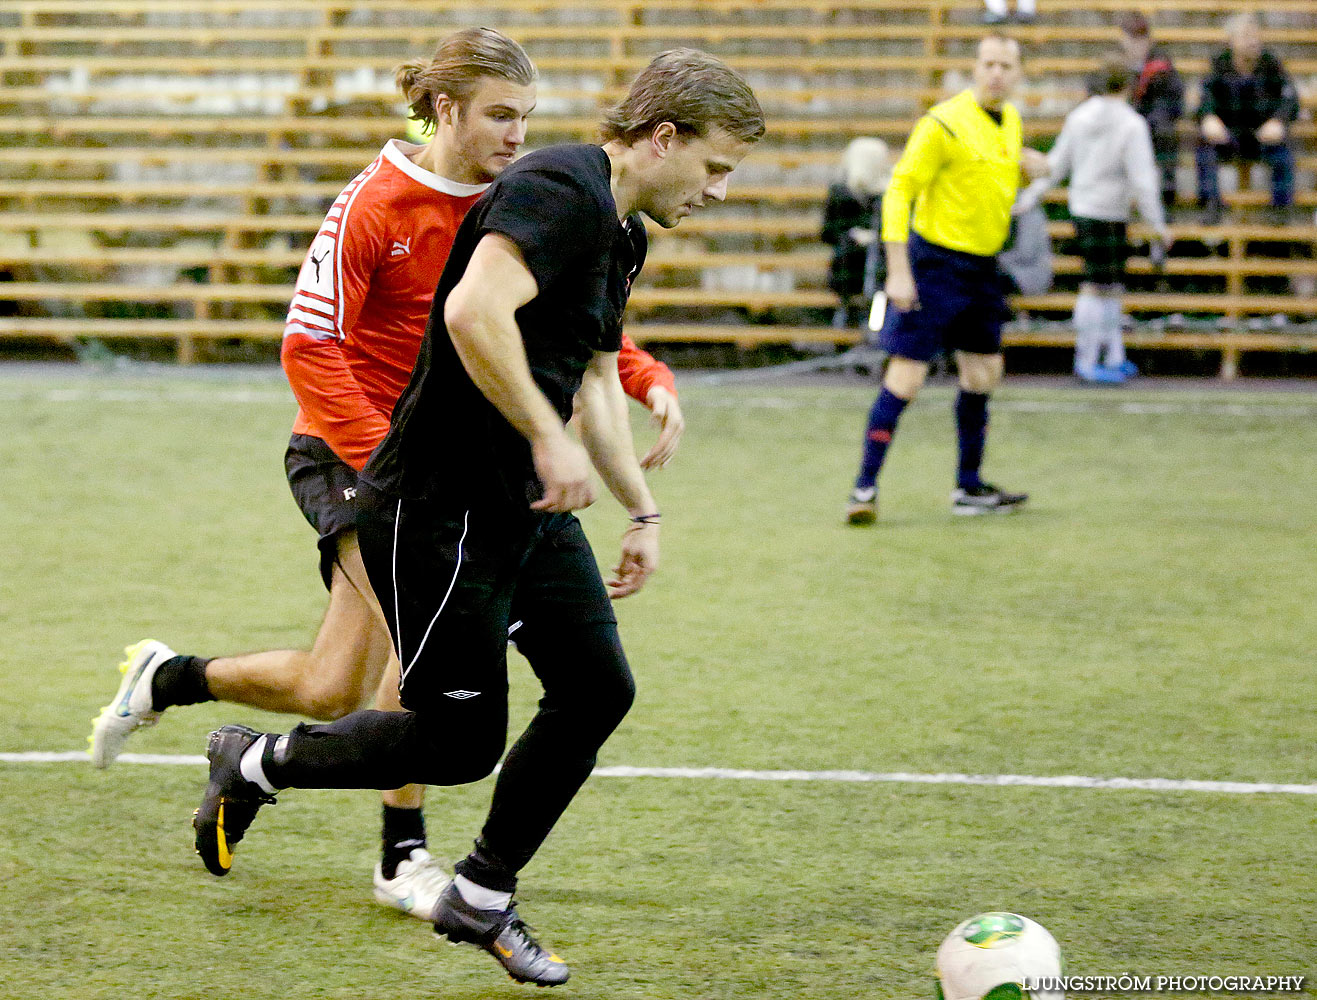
column 180, row 680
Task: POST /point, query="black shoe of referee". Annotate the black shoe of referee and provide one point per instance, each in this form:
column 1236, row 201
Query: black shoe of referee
column 501, row 933
column 986, row 499
column 230, row 802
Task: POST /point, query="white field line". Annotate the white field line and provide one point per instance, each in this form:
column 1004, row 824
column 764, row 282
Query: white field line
column 724, row 400
column 137, row 396
column 844, row 777
column 1134, row 408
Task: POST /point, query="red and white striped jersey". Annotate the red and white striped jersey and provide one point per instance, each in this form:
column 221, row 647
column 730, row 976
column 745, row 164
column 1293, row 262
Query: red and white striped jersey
column 363, row 298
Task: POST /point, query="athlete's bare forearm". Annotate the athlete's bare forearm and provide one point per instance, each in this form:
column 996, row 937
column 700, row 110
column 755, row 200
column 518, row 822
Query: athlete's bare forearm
column 605, row 426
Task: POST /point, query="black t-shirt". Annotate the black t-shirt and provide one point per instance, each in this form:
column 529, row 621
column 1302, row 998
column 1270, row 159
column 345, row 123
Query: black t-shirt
column 446, row 440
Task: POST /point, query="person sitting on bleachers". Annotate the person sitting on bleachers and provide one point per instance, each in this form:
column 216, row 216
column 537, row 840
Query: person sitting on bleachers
column 995, row 11
column 1158, row 94
column 1248, row 103
column 851, row 220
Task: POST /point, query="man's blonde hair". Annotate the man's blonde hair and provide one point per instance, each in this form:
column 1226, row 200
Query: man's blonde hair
column 460, row 62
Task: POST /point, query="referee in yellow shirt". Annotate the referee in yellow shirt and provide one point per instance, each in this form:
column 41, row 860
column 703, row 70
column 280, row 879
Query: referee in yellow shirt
column 960, row 169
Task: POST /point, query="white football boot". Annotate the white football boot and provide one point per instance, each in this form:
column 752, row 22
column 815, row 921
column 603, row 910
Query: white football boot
column 131, row 708
column 416, row 886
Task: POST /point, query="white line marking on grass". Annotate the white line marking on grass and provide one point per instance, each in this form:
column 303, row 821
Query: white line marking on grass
column 82, row 757
column 1143, row 409
column 845, row 777
column 1000, row 780
column 138, row 396
column 1123, row 407
column 723, row 401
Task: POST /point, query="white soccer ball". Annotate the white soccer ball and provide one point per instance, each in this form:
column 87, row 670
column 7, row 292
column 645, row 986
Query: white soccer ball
column 993, row 955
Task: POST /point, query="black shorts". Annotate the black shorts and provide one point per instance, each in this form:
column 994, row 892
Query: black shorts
column 1104, row 248
column 455, row 585
column 962, row 305
column 325, row 488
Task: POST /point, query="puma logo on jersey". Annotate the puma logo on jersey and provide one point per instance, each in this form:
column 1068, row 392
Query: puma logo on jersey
column 401, row 249
column 317, row 261
column 350, row 493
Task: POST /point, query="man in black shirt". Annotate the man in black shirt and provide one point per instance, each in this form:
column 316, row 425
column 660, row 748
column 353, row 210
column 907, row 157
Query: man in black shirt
column 465, row 520
column 1247, row 107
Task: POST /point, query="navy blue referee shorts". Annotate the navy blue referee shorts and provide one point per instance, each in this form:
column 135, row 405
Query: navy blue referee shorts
column 962, row 305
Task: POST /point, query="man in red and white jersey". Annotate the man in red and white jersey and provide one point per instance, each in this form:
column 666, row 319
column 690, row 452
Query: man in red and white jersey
column 353, row 331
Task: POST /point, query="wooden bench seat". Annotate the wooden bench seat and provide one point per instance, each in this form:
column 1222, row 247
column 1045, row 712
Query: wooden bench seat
column 643, row 299
column 808, row 266
column 177, row 256
column 139, row 191
column 327, row 8
column 804, row 226
column 131, row 193
column 126, row 90
column 345, row 161
column 275, row 129
column 627, row 65
column 709, row 34
column 1231, row 344
column 797, row 230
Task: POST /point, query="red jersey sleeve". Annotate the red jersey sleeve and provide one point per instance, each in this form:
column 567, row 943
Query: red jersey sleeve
column 640, row 371
column 331, row 287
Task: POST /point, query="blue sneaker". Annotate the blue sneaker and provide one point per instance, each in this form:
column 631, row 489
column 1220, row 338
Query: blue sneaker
column 1098, row 375
column 1115, row 374
column 1128, row 368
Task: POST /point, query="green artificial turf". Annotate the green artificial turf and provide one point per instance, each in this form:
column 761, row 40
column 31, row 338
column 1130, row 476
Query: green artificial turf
column 1149, row 615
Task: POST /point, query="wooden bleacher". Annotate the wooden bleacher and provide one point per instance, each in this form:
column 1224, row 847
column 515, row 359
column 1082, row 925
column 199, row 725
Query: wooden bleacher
column 165, row 163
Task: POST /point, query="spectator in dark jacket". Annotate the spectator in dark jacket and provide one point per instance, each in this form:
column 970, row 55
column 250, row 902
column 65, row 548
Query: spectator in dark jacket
column 1158, row 95
column 851, row 220
column 1248, row 105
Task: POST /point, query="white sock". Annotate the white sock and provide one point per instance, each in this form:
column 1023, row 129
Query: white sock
column 480, row 897
column 997, row 7
column 251, row 769
column 1111, row 331
column 1026, row 7
column 1088, row 331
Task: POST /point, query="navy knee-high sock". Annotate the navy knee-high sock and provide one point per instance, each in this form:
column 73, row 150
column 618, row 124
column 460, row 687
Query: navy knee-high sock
column 972, row 429
column 883, row 415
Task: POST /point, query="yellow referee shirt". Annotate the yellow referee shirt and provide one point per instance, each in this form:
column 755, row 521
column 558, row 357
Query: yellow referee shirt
column 961, row 170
